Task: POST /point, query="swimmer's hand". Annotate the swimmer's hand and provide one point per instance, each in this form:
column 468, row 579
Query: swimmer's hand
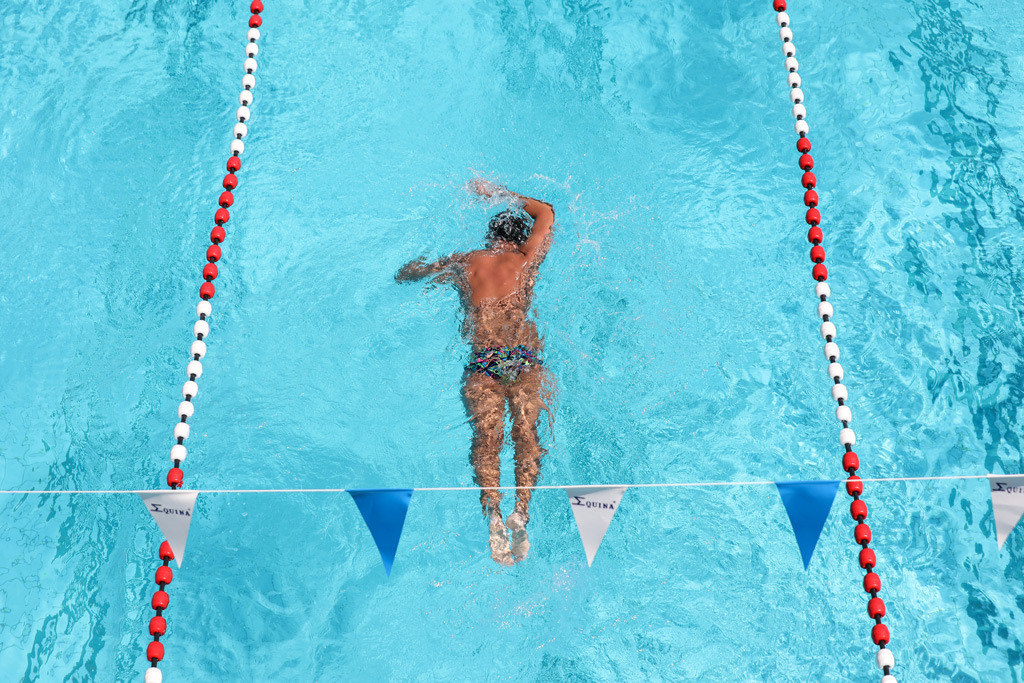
column 485, row 188
column 412, row 271
column 419, row 268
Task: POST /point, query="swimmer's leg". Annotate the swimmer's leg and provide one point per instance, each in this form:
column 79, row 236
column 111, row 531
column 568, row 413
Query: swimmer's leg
column 526, row 402
column 485, row 403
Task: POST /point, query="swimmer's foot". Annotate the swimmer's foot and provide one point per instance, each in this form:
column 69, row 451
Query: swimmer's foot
column 500, row 550
column 520, row 541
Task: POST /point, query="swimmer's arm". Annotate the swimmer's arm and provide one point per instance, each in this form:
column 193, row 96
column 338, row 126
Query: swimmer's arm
column 543, row 215
column 419, row 269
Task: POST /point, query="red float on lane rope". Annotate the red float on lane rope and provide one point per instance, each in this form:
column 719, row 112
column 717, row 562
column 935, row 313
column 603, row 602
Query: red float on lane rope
column 155, row 651
column 174, row 477
column 851, row 463
column 164, row 575
column 165, row 551
column 157, row 626
column 160, row 600
column 854, row 485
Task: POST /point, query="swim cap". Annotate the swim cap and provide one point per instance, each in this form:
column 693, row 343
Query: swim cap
column 510, row 226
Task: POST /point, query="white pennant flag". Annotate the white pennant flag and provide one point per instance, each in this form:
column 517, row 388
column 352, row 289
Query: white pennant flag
column 172, row 511
column 593, row 507
column 1007, row 503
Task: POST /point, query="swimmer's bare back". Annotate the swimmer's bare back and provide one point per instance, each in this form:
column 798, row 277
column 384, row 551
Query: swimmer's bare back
column 496, row 283
column 494, row 275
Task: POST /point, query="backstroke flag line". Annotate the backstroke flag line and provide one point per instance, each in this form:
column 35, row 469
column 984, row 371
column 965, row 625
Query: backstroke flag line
column 593, row 507
column 1007, row 503
column 172, row 511
column 807, row 504
column 383, row 510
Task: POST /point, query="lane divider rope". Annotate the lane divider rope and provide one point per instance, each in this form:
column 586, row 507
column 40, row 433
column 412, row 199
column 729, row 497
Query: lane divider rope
column 201, row 330
column 854, row 484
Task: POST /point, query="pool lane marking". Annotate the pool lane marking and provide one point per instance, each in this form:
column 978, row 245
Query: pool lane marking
column 201, row 330
column 847, row 437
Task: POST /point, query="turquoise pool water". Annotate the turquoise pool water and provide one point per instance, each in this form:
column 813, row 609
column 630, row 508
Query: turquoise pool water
column 676, row 302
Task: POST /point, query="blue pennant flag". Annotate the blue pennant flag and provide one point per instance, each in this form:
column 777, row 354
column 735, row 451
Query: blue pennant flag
column 807, row 504
column 383, row 511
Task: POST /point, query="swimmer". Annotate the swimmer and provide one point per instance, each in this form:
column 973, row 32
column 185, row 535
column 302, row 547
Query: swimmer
column 496, row 286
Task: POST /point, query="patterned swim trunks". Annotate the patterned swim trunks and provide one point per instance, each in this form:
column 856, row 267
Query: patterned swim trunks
column 503, row 363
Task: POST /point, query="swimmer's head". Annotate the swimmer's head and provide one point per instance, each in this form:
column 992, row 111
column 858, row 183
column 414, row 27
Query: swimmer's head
column 509, row 226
